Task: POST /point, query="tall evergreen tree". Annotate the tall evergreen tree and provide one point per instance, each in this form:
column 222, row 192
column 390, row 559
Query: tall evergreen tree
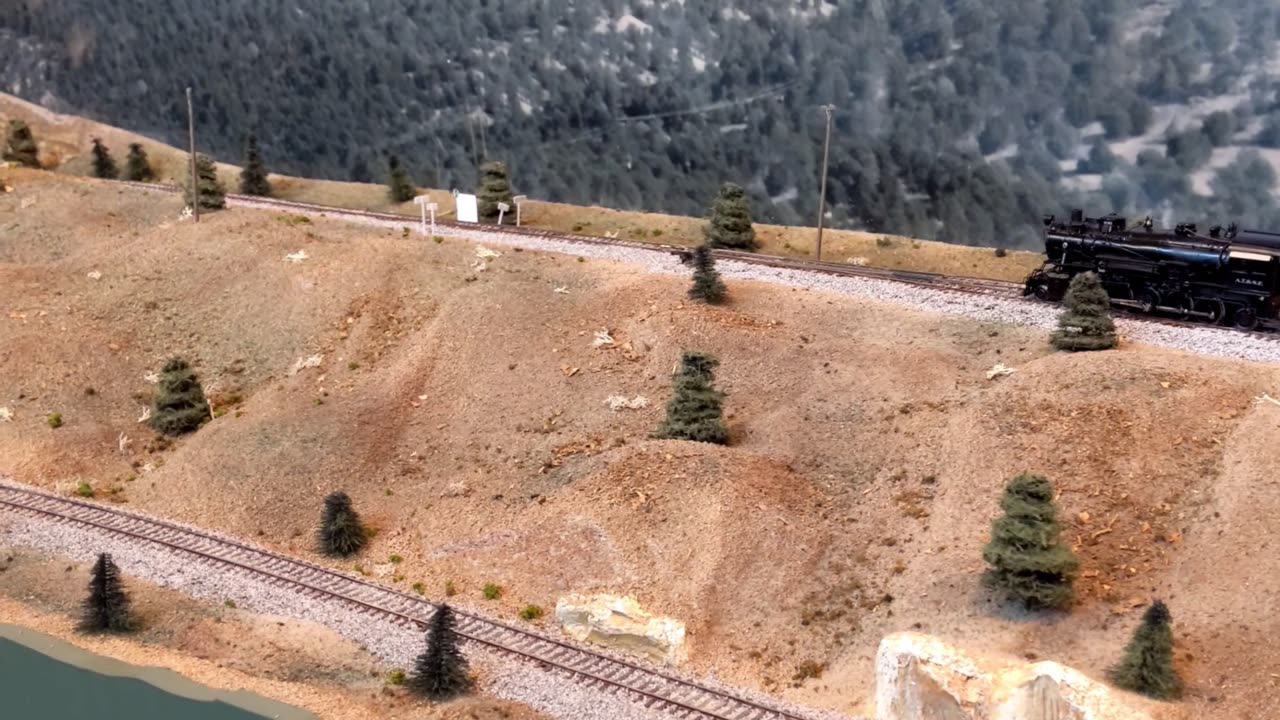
column 104, row 166
column 21, row 146
column 707, row 285
column 694, row 412
column 1028, row 562
column 341, row 533
column 1086, row 322
column 179, row 405
column 730, row 223
column 494, row 188
column 212, row 192
column 1147, row 666
column 399, row 186
column 107, row 608
column 253, row 176
column 137, row 167
column 441, row 671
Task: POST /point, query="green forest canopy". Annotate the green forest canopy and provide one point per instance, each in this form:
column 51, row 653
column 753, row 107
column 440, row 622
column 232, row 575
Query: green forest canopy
column 963, row 120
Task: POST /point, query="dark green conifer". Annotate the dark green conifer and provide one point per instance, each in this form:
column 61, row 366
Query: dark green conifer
column 179, row 405
column 1028, row 562
column 730, row 223
column 1147, row 666
column 212, row 192
column 1086, row 322
column 494, row 188
column 104, row 166
column 107, row 608
column 707, row 285
column 137, row 167
column 21, row 146
column 253, row 176
column 694, row 412
column 399, row 186
column 441, row 671
column 341, row 534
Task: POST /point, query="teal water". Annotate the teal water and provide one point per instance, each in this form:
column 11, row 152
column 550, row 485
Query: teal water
column 42, row 678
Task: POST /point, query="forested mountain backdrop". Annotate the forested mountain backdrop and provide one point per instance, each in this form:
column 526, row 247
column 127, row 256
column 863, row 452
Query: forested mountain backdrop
column 963, row 120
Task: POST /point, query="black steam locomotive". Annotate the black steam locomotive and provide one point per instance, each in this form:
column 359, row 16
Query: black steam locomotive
column 1229, row 276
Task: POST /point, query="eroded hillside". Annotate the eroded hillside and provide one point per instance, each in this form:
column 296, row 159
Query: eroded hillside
column 462, row 404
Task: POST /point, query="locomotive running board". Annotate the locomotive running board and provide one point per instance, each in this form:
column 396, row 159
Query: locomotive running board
column 1163, row 308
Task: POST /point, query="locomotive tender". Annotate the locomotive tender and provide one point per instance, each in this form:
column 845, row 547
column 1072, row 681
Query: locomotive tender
column 1229, row 276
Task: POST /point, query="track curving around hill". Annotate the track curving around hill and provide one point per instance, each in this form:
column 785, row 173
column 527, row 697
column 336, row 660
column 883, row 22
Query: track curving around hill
column 653, row 687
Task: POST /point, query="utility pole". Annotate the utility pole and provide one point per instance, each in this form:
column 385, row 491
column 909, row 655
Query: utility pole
column 195, row 181
column 822, row 193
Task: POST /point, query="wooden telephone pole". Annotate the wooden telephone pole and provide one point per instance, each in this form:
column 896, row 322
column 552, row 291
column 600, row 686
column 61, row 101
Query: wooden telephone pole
column 195, row 180
column 822, row 193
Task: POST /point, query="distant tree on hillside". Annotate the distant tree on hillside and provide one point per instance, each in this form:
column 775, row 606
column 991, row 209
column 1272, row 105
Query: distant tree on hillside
column 104, row 166
column 494, row 188
column 1101, row 160
column 1028, row 562
column 212, row 192
column 1086, row 322
column 441, row 671
column 21, row 146
column 137, row 167
column 399, row 186
column 730, row 223
column 107, row 609
column 253, row 177
column 707, row 285
column 1218, row 128
column 1147, row 666
column 694, row 412
column 179, row 405
column 341, row 533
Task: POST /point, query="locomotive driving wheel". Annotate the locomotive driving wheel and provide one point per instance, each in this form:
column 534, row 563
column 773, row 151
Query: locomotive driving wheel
column 1246, row 318
column 1148, row 301
column 1041, row 291
column 1214, row 309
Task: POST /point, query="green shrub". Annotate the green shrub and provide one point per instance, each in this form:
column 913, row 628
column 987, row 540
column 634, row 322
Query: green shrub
column 420, row 588
column 449, row 589
column 531, row 612
column 492, row 591
column 1086, row 322
column 341, row 533
column 1028, row 562
column 179, row 405
column 84, row 490
column 395, row 559
column 1001, row 252
column 1147, row 666
column 707, row 286
column 211, row 191
column 54, row 420
column 884, row 242
column 694, row 411
column 730, row 224
column 397, row 677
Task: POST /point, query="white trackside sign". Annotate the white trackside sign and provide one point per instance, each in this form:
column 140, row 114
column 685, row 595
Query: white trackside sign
column 467, row 211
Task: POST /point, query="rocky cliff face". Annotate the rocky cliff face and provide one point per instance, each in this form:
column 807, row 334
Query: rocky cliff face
column 922, row 678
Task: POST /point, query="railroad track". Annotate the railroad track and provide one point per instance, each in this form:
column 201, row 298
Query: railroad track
column 947, row 283
column 681, row 697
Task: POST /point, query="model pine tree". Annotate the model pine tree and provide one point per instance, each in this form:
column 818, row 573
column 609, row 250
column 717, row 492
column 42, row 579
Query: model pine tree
column 212, row 192
column 1086, row 323
column 104, row 166
column 179, row 405
column 137, row 167
column 730, row 223
column 494, row 188
column 107, row 608
column 399, row 186
column 1147, row 666
column 1028, row 563
column 694, row 411
column 707, row 285
column 21, row 146
column 441, row 671
column 253, row 176
column 341, row 533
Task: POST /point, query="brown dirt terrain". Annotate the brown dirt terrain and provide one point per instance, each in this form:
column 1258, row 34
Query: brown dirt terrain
column 65, row 140
column 464, row 412
column 301, row 664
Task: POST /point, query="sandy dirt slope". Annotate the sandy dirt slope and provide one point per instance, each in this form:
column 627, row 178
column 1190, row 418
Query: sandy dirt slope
column 464, row 410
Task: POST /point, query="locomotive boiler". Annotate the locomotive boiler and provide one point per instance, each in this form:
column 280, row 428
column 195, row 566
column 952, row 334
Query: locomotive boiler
column 1227, row 276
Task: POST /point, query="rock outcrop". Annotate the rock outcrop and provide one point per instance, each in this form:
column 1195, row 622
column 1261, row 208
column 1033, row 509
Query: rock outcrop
column 922, row 678
column 620, row 623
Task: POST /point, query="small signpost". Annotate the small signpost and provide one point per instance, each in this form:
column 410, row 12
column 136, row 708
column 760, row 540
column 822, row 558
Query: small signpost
column 424, row 202
column 517, row 200
column 502, row 211
column 468, row 212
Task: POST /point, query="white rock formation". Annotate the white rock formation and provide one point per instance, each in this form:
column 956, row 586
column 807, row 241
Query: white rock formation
column 922, row 678
column 620, row 623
